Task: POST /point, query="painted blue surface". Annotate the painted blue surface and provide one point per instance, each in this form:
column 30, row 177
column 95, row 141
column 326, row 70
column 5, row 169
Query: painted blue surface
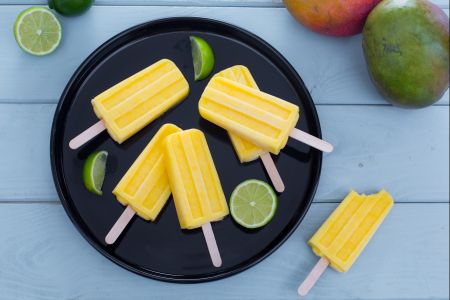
column 42, row 256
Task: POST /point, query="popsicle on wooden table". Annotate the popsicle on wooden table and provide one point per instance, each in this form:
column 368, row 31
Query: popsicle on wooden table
column 196, row 188
column 144, row 188
column 247, row 151
column 133, row 103
column 260, row 118
column 346, row 232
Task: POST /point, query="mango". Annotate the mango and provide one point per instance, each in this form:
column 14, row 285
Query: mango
column 332, row 17
column 406, row 47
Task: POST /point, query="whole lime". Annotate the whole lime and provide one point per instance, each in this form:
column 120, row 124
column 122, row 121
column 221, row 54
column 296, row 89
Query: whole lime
column 70, row 7
column 406, row 46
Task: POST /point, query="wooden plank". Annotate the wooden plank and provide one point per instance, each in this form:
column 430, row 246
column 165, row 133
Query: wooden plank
column 333, row 69
column 404, row 151
column 44, row 257
column 25, row 152
column 217, row 3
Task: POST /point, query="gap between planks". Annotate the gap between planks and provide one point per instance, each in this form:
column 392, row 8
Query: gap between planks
column 171, row 3
column 55, row 102
column 331, row 201
column 251, row 4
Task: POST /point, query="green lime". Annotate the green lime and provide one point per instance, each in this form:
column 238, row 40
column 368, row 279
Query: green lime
column 202, row 57
column 253, row 203
column 94, row 171
column 37, row 31
column 70, row 7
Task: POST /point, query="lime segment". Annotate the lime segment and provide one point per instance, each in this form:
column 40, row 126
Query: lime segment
column 94, row 171
column 253, row 203
column 202, row 57
column 37, row 31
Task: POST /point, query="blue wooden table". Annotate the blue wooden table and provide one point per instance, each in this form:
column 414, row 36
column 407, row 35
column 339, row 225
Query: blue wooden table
column 42, row 256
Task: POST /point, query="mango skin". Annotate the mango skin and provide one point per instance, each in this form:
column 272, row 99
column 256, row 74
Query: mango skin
column 406, row 46
column 332, row 17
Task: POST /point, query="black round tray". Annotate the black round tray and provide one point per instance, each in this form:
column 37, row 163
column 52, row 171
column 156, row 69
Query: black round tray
column 160, row 249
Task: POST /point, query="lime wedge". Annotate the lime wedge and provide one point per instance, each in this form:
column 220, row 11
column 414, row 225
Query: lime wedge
column 202, row 57
column 253, row 203
column 94, row 171
column 37, row 31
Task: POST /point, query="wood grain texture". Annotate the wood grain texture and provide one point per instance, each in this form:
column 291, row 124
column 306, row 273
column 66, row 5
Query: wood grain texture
column 332, row 68
column 404, row 151
column 43, row 257
column 218, row 3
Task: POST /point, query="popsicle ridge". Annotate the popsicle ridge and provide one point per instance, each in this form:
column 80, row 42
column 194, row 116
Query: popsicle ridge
column 147, row 100
column 126, row 88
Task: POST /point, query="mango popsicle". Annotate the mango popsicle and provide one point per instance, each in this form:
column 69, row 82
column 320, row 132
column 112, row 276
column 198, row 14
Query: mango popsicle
column 195, row 184
column 346, row 232
column 260, row 118
column 247, row 151
column 133, row 103
column 144, row 188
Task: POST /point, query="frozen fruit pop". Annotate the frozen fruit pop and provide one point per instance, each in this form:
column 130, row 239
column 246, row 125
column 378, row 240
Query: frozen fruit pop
column 195, row 185
column 260, row 118
column 343, row 236
column 144, row 188
column 247, row 151
column 133, row 103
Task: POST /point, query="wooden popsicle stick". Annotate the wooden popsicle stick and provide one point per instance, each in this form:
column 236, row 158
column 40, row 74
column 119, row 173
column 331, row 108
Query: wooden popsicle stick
column 271, row 169
column 87, row 135
column 212, row 245
column 311, row 140
column 313, row 276
column 120, row 225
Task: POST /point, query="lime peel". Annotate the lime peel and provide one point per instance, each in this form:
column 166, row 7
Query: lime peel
column 94, row 171
column 202, row 57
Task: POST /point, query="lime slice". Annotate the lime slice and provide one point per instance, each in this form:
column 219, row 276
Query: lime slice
column 94, row 171
column 202, row 57
column 37, row 31
column 253, row 203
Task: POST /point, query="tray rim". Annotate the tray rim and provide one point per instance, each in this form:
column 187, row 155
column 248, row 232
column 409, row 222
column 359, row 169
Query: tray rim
column 58, row 178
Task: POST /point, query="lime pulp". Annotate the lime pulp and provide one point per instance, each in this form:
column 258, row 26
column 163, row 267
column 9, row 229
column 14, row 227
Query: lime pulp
column 94, row 171
column 253, row 203
column 37, row 31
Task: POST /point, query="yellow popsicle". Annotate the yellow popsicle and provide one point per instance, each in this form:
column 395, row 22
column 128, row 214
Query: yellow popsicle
column 130, row 105
column 258, row 117
column 343, row 236
column 246, row 151
column 194, row 181
column 145, row 186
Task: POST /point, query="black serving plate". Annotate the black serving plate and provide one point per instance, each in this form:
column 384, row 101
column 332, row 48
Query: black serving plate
column 161, row 250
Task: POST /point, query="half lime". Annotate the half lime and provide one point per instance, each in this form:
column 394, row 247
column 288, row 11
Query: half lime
column 253, row 203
